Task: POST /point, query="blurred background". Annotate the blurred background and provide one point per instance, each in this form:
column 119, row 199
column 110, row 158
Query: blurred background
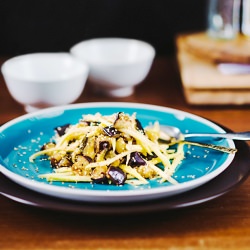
column 55, row 25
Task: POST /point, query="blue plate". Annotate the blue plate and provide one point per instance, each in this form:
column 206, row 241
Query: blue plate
column 23, row 136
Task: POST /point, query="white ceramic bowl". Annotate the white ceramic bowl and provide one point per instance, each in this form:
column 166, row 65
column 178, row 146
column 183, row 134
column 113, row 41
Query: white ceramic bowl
column 116, row 64
column 41, row 80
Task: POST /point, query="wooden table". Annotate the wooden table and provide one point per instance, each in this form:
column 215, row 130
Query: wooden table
column 220, row 223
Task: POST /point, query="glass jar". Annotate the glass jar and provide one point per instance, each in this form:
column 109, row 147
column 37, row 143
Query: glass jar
column 245, row 27
column 223, row 18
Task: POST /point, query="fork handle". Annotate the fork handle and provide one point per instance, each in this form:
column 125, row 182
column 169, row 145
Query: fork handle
column 245, row 136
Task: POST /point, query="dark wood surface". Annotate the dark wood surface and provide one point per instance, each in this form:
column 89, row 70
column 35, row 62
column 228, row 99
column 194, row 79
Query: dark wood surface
column 223, row 223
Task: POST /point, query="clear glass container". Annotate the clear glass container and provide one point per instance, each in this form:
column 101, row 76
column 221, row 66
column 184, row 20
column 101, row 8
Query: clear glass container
column 245, row 27
column 223, row 18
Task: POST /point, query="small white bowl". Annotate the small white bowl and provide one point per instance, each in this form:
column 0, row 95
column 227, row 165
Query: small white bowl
column 116, row 65
column 41, row 80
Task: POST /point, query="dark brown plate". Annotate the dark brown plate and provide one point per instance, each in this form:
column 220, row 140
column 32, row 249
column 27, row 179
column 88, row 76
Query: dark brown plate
column 234, row 175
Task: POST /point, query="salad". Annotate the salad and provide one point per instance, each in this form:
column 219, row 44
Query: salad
column 112, row 149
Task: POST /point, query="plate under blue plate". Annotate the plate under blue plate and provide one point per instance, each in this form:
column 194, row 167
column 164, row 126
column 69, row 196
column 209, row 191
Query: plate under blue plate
column 25, row 135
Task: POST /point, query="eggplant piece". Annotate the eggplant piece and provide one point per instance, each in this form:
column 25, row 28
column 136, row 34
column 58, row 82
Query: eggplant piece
column 103, row 142
column 152, row 156
column 62, row 129
column 116, row 175
column 58, row 161
column 89, row 148
column 55, row 159
column 83, row 159
column 79, row 166
column 111, row 131
column 102, row 179
column 100, row 156
column 65, row 162
column 104, row 145
column 139, row 126
column 83, row 143
column 48, row 145
column 98, row 175
column 122, row 121
column 118, row 116
column 88, row 158
column 136, row 160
